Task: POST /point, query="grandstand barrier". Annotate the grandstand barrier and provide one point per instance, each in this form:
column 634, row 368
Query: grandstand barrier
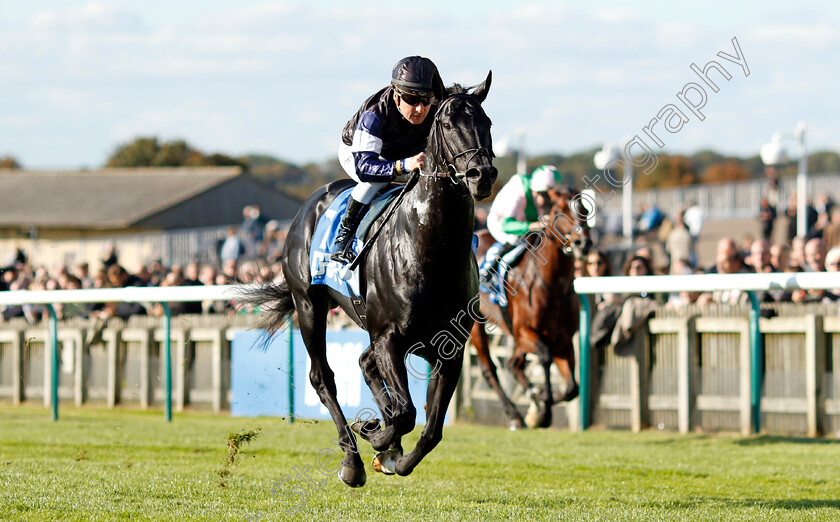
column 748, row 370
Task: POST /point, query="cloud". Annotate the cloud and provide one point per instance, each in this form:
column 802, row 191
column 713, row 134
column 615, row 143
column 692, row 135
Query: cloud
column 94, row 17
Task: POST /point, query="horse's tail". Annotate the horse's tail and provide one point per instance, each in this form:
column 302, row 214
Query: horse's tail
column 274, row 301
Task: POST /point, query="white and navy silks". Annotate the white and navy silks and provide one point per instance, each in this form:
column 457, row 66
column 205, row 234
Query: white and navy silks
column 375, row 139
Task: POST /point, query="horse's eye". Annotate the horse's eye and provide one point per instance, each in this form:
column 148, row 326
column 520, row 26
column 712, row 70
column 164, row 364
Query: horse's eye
column 447, row 126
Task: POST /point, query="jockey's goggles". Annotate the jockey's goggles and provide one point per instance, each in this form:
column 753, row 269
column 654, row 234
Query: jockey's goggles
column 412, row 99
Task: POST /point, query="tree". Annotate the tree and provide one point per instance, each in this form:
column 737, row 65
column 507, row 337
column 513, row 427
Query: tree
column 172, row 154
column 138, row 153
column 671, row 171
column 8, row 162
column 725, row 171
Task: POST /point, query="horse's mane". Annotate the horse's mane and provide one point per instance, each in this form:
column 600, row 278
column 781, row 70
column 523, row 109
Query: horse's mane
column 456, row 88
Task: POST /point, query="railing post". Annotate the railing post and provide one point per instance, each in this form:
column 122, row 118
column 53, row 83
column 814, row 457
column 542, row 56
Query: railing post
column 291, row 373
column 54, row 362
column 167, row 349
column 583, row 399
column 757, row 362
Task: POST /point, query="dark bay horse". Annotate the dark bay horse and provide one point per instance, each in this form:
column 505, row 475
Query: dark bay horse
column 543, row 309
column 420, row 273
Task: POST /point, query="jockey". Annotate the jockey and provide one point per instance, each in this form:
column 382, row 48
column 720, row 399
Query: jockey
column 386, row 138
column 517, row 209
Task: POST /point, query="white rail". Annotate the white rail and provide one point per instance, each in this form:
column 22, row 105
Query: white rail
column 131, row 294
column 708, row 282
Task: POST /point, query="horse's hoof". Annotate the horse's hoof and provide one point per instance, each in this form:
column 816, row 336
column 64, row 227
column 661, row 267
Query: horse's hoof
column 366, row 429
column 532, row 418
column 386, row 462
column 538, row 416
column 353, row 477
column 571, row 393
column 516, row 425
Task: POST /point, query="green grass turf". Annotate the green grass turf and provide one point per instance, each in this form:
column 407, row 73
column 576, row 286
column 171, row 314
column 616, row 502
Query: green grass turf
column 96, row 464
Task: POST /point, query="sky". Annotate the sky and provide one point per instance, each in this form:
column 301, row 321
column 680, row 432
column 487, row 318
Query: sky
column 282, row 78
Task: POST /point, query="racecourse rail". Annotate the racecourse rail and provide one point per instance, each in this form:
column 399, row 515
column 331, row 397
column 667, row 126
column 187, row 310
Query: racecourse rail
column 131, row 294
column 749, row 283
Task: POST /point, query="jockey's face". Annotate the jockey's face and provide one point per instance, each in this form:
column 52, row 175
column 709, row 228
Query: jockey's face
column 545, row 200
column 415, row 114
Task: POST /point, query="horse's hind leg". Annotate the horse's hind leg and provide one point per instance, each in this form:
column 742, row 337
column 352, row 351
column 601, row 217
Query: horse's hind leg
column 488, row 369
column 312, row 315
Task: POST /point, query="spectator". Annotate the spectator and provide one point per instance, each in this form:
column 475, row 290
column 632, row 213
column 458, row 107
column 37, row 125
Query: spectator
column 779, row 257
column 143, row 275
column 693, row 217
column 176, row 278
column 797, row 253
column 109, row 255
column 251, row 229
column 681, row 299
column 772, row 187
column 636, row 309
column 679, row 244
column 119, row 278
column 82, row 273
column 232, row 248
column 580, row 267
column 728, row 261
column 607, row 306
column 158, row 272
column 273, row 244
column 651, row 219
column 230, row 269
column 831, row 231
column 761, row 259
column 815, row 255
column 832, row 264
column 767, row 216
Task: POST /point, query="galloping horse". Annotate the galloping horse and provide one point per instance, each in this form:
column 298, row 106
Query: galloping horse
column 420, row 274
column 543, row 309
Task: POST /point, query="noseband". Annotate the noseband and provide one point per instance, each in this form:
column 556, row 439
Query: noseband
column 442, row 149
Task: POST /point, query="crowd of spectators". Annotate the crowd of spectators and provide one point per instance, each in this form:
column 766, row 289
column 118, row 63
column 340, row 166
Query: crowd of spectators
column 259, row 248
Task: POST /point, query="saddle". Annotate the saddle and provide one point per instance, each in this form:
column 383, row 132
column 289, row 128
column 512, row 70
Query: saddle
column 348, row 283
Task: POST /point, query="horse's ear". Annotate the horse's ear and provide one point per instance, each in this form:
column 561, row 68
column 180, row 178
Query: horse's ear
column 437, row 86
column 480, row 91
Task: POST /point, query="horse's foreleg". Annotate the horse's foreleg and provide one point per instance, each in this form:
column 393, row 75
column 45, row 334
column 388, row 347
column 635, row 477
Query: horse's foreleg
column 380, row 394
column 392, row 370
column 441, row 388
column 566, row 366
column 488, row 370
column 529, row 342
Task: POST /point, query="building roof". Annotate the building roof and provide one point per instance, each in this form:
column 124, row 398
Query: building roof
column 106, row 199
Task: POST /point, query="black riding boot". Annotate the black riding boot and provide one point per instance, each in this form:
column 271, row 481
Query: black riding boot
column 346, row 230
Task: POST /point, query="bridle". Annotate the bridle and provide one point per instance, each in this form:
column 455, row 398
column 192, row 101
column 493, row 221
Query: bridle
column 442, row 148
column 573, row 239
